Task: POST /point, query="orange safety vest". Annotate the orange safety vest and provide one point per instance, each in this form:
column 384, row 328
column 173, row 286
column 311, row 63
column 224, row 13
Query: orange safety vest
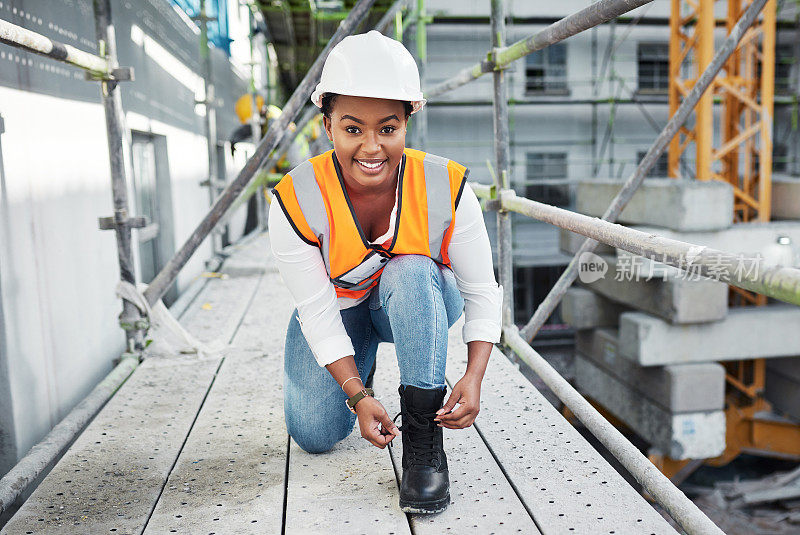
column 315, row 201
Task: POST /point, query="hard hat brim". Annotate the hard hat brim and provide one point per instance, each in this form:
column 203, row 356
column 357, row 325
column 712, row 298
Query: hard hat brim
column 416, row 105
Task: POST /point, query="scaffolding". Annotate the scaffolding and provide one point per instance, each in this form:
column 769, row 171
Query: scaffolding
column 779, row 282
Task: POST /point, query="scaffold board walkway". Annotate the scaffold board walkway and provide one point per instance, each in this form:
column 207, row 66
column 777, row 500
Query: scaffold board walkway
column 199, row 446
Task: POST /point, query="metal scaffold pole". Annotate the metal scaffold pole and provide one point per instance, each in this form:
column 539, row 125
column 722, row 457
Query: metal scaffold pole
column 421, row 118
column 19, row 37
column 130, row 319
column 634, row 181
column 255, row 117
column 209, row 121
column 505, row 259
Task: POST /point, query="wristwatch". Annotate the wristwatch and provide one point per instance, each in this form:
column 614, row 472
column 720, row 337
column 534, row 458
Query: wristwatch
column 358, row 396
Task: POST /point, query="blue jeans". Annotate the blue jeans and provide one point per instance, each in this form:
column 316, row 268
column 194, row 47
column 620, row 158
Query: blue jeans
column 415, row 303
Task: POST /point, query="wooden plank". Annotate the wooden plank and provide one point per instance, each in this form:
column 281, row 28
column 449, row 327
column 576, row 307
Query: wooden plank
column 230, row 476
column 481, row 498
column 111, row 477
column 564, row 482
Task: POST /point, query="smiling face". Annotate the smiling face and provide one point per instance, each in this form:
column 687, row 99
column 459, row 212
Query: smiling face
column 369, row 135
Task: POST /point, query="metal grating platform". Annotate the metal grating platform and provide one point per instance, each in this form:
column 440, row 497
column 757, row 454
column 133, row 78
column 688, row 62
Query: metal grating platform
column 199, row 447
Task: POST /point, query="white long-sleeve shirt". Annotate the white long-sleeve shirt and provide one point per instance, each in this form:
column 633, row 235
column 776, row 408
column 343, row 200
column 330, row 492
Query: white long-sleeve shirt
column 303, row 270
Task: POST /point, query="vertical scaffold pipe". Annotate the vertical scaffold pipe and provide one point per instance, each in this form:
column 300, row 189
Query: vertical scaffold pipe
column 390, row 17
column 421, row 118
column 505, row 257
column 629, row 188
column 255, row 118
column 209, row 121
column 130, row 317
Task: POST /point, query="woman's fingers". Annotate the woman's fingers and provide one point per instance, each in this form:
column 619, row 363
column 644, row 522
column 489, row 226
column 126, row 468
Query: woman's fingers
column 466, row 392
column 373, row 435
column 460, row 418
column 461, row 424
column 454, row 398
column 376, row 426
column 387, row 426
column 384, row 432
column 455, row 415
column 449, row 409
column 460, row 412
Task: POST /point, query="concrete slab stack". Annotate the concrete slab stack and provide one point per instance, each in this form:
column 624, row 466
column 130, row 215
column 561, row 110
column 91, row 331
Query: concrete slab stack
column 671, row 297
column 676, row 408
column 650, row 337
column 749, row 332
column 684, row 205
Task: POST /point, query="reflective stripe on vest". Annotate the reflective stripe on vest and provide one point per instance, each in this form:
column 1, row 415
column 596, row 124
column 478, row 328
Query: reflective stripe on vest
column 437, row 187
column 309, row 197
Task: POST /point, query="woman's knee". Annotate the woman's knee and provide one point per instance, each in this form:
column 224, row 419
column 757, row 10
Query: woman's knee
column 316, row 431
column 410, row 272
column 405, row 263
column 312, row 442
column 413, row 276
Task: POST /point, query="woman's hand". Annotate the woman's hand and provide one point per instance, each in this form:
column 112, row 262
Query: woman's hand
column 467, row 392
column 375, row 424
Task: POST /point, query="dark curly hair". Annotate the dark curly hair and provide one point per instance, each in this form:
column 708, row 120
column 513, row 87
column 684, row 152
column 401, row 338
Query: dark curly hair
column 329, row 98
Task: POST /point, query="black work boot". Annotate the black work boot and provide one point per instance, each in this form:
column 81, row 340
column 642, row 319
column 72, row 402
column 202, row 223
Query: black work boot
column 425, row 487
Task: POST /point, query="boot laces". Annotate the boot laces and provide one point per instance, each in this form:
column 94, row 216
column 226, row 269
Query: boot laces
column 422, row 438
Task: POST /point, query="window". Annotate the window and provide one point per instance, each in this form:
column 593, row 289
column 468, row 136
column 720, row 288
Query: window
column 784, row 65
column 546, row 71
column 546, row 175
column 653, row 67
column 660, row 169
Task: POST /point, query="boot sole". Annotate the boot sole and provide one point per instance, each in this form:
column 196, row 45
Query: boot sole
column 425, row 507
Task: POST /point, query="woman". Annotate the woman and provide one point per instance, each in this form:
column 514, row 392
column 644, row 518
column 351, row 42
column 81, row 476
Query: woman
column 380, row 243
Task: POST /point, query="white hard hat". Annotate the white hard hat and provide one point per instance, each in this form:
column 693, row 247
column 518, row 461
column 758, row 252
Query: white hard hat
column 370, row 65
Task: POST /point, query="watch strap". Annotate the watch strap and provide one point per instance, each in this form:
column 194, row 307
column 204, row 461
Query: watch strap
column 358, row 396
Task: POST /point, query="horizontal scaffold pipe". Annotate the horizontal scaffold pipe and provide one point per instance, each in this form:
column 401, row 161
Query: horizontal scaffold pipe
column 19, row 37
column 681, row 508
column 743, row 271
column 166, row 277
column 553, row 298
column 595, row 14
